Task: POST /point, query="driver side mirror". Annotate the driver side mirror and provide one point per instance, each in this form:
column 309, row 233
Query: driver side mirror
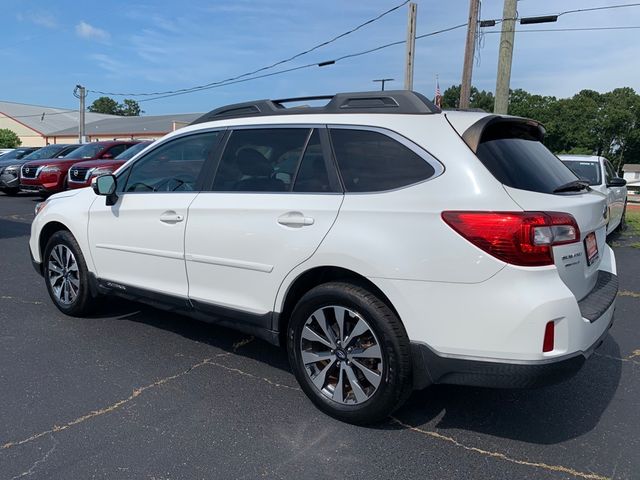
column 617, row 182
column 105, row 185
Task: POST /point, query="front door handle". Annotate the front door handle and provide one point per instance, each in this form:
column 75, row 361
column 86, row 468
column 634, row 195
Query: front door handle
column 171, row 217
column 295, row 219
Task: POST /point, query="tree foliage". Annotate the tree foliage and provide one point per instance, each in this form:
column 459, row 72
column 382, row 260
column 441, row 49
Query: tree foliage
column 479, row 98
column 109, row 106
column 590, row 122
column 9, row 139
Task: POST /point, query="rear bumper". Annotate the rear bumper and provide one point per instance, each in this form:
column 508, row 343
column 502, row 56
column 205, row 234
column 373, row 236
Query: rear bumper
column 429, row 367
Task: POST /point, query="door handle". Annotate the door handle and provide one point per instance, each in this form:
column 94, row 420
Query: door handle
column 171, row 217
column 295, row 219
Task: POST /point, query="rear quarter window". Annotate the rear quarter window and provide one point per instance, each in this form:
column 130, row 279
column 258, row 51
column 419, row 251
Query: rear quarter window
column 519, row 160
column 373, row 162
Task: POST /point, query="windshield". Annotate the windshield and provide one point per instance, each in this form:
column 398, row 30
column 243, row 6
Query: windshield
column 16, row 154
column 50, row 151
column 131, row 151
column 89, row 150
column 589, row 171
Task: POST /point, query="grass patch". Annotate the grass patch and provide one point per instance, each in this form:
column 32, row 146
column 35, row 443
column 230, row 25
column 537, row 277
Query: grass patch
column 633, row 222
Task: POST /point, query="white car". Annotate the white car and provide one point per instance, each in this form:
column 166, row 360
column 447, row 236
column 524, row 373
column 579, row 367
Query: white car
column 386, row 244
column 601, row 176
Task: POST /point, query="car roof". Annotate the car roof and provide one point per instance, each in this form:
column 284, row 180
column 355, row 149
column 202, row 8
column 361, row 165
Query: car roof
column 580, row 158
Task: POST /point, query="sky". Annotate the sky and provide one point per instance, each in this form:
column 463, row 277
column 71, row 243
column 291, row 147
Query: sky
column 138, row 46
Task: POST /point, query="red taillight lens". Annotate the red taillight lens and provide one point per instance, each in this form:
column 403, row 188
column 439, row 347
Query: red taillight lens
column 549, row 334
column 518, row 238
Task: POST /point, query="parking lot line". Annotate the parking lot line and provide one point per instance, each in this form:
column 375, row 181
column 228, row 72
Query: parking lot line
column 502, row 456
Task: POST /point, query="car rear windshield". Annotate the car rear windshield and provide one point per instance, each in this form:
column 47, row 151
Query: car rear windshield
column 89, row 150
column 519, row 160
column 589, row 171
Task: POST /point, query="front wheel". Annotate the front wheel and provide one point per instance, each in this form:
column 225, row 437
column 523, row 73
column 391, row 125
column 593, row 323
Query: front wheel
column 350, row 353
column 12, row 192
column 66, row 275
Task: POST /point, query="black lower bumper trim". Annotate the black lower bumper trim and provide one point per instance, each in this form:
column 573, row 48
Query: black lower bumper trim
column 37, row 266
column 600, row 297
column 430, row 368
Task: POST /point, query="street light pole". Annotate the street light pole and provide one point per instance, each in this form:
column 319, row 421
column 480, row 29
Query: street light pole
column 383, row 81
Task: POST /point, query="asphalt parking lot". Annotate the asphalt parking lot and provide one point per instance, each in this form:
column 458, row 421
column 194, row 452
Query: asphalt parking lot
column 134, row 392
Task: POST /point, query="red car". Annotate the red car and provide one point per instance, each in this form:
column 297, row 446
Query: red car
column 50, row 176
column 80, row 174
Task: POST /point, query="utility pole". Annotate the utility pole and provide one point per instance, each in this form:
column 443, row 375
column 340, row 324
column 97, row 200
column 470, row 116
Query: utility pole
column 383, row 81
column 81, row 93
column 411, row 47
column 469, row 54
column 505, row 56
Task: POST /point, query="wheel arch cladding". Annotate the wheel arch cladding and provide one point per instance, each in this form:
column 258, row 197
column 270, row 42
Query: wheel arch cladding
column 47, row 232
column 317, row 276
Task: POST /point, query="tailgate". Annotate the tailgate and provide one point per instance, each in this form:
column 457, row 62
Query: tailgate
column 575, row 268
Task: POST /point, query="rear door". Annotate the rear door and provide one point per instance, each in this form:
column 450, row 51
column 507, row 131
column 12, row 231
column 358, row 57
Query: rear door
column 274, row 198
column 538, row 181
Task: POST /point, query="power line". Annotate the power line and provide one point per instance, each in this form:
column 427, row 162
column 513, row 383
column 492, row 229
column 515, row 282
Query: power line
column 578, row 10
column 300, row 67
column 585, row 29
column 262, row 69
column 43, row 115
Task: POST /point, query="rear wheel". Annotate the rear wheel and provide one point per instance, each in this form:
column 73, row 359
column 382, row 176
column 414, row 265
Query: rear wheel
column 66, row 275
column 350, row 353
column 623, row 220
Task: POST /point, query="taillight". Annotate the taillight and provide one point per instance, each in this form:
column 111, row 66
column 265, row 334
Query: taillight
column 518, row 238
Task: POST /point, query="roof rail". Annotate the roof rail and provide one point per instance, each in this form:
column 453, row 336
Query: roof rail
column 390, row 101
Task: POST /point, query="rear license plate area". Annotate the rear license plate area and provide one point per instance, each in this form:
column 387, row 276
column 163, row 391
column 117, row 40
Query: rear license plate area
column 591, row 248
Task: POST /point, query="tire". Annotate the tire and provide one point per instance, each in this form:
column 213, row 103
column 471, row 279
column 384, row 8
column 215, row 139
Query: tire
column 360, row 401
column 11, row 192
column 67, row 274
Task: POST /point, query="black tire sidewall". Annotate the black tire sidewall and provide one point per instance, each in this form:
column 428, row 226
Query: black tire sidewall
column 82, row 302
column 395, row 347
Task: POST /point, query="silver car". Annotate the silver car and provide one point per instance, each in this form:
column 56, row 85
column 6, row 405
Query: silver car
column 601, row 176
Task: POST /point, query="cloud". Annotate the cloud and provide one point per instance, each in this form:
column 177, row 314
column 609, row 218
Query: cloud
column 41, row 17
column 84, row 30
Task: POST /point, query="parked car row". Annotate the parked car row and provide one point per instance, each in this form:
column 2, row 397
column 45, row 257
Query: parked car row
column 59, row 167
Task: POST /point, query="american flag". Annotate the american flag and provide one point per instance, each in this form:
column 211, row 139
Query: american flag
column 438, row 101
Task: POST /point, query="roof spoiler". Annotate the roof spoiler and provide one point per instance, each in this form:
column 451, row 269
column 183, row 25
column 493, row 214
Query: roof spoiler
column 500, row 125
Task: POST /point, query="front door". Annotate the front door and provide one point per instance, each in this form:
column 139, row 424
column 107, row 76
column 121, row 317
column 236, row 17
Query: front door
column 139, row 241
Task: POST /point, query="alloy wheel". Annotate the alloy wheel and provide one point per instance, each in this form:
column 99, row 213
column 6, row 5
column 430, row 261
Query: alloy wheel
column 63, row 274
column 341, row 355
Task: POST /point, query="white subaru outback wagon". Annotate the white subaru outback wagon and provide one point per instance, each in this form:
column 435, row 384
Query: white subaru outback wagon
column 389, row 245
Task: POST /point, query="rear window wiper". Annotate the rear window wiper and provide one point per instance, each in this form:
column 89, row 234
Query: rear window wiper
column 573, row 186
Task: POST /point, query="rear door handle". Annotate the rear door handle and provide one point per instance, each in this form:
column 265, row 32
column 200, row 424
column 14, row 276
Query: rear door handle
column 295, row 219
column 171, row 217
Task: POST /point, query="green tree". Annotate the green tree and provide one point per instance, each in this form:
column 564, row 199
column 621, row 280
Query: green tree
column 479, row 98
column 9, row 139
column 130, row 108
column 105, row 105
column 109, row 106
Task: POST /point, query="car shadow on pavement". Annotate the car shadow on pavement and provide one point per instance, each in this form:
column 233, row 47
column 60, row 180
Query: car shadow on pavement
column 546, row 415
column 199, row 331
column 11, row 229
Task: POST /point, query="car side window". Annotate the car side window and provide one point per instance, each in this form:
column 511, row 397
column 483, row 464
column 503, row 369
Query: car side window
column 373, row 162
column 117, row 149
column 312, row 174
column 172, row 167
column 261, row 160
column 610, row 171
